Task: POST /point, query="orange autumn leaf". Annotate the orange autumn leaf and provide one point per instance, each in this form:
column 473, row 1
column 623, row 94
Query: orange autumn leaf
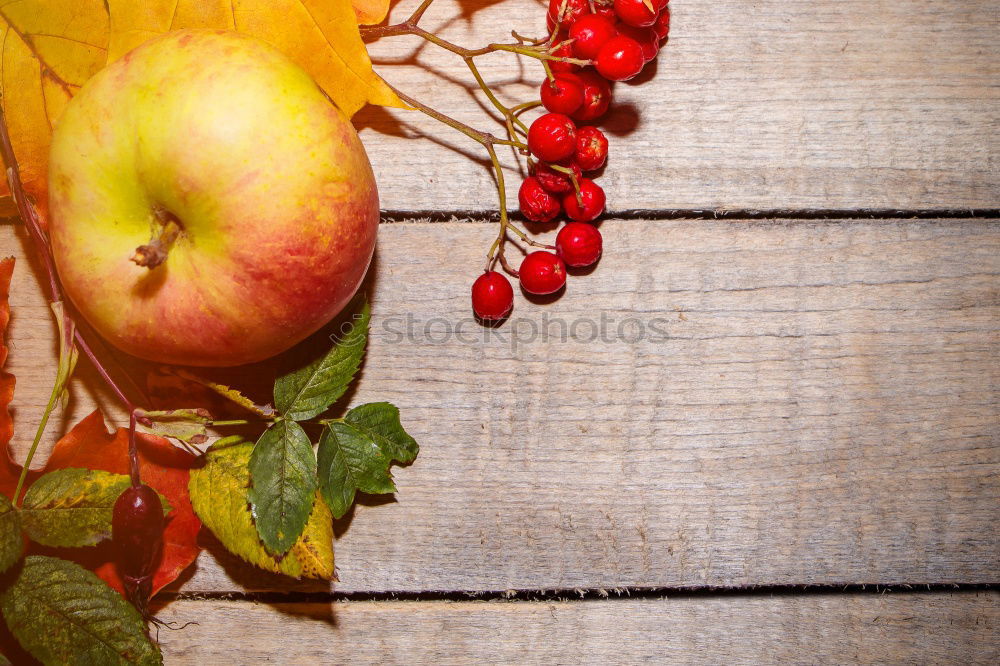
column 322, row 36
column 370, row 12
column 49, row 49
column 89, row 444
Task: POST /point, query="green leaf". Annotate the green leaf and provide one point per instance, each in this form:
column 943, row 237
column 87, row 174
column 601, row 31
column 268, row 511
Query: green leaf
column 187, row 425
column 63, row 614
column 11, row 539
column 380, row 421
column 72, row 507
column 354, row 454
column 283, row 483
column 218, row 492
column 309, row 391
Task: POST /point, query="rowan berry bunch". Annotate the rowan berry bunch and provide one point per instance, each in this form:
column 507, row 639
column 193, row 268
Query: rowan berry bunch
column 590, row 45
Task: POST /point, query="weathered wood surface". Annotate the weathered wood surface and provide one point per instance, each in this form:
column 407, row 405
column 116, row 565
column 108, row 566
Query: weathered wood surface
column 770, row 104
column 956, row 628
column 824, row 408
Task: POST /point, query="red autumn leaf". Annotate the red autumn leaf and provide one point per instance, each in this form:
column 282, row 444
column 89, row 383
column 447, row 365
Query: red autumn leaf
column 89, row 444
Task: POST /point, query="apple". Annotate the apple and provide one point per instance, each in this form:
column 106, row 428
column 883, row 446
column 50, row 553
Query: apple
column 209, row 205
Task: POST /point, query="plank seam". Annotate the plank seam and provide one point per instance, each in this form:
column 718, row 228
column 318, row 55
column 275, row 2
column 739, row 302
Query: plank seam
column 806, row 214
column 582, row 594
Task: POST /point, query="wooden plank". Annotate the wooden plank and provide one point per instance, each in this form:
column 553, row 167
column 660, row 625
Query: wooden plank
column 762, row 105
column 956, row 628
column 823, row 409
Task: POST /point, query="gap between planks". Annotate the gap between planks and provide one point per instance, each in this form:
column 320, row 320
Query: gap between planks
column 773, row 215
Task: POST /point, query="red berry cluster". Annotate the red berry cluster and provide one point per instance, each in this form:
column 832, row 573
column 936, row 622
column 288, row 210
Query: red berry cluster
column 618, row 38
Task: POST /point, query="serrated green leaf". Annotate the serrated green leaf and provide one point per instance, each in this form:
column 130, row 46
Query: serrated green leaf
column 354, row 454
column 63, row 614
column 219, row 495
column 380, row 421
column 309, row 391
column 283, row 484
column 187, row 425
column 72, row 507
column 11, row 538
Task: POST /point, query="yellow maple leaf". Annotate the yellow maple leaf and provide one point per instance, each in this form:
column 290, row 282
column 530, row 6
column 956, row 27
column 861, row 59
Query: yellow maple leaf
column 49, row 49
column 322, row 36
column 370, row 12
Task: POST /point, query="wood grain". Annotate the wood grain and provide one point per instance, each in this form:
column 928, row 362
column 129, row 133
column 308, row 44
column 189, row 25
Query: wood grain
column 823, row 409
column 959, row 628
column 772, row 104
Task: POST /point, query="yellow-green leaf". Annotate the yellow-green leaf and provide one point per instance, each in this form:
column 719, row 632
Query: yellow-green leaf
column 219, row 494
column 49, row 49
column 11, row 540
column 227, row 392
column 322, row 36
column 72, row 507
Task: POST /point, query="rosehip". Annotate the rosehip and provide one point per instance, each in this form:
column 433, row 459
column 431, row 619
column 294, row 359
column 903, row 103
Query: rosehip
column 591, row 202
column 589, row 34
column 574, row 9
column 560, row 67
column 492, row 296
column 536, row 204
column 542, row 273
column 635, row 12
column 647, row 39
column 562, row 95
column 552, row 137
column 553, row 180
column 620, row 59
column 662, row 25
column 596, row 96
column 591, row 148
column 579, row 244
column 137, row 537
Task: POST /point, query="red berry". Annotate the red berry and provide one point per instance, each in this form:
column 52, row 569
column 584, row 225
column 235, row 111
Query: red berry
column 536, row 204
column 591, row 202
column 596, row 96
column 562, row 95
column 579, row 244
column 589, row 34
column 647, row 39
column 137, row 523
column 635, row 12
column 662, row 25
column 607, row 11
column 574, row 9
column 555, row 181
column 542, row 273
column 620, row 59
column 560, row 67
column 552, row 137
column 591, row 148
column 492, row 296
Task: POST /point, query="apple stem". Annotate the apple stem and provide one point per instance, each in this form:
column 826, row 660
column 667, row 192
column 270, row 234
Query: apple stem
column 155, row 252
column 29, row 215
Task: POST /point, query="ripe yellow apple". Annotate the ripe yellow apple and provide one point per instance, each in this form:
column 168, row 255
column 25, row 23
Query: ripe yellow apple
column 208, row 204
